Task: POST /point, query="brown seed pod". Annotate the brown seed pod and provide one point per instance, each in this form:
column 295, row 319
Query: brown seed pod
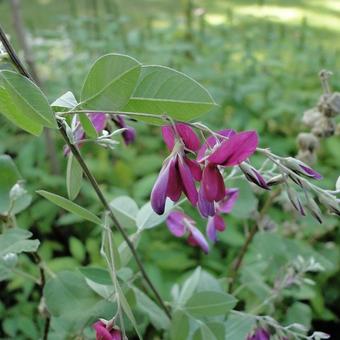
column 307, row 141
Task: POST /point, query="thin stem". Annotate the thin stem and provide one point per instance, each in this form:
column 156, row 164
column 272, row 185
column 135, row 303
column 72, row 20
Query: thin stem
column 249, row 239
column 16, row 61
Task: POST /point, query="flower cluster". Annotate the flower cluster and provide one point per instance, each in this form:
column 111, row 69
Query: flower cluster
column 190, row 165
column 99, row 121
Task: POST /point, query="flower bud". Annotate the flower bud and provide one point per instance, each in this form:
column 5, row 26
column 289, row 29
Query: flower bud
column 10, row 260
column 300, row 168
column 17, row 191
column 330, row 202
column 294, row 199
column 314, row 209
column 276, row 180
column 253, row 175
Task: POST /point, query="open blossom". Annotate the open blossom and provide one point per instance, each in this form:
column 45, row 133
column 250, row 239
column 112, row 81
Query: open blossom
column 179, row 172
column 216, row 222
column 98, row 120
column 180, row 224
column 104, row 332
column 129, row 135
column 230, row 152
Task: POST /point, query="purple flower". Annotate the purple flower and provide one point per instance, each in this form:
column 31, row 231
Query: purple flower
column 211, row 142
column 178, row 173
column 186, row 134
column 259, row 334
column 129, row 135
column 234, row 150
column 180, row 224
column 253, row 175
column 301, row 168
column 104, row 332
column 98, row 120
column 216, row 222
column 213, row 188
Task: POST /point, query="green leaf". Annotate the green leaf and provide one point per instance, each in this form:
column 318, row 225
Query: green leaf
column 147, row 218
column 203, row 332
column 97, row 274
column 70, row 206
column 69, row 299
column 9, row 175
column 77, row 249
column 88, row 126
column 180, row 326
column 9, row 109
column 110, row 82
column 27, row 99
column 157, row 316
column 17, row 241
column 125, row 210
column 162, row 90
column 66, row 102
column 210, row 303
column 239, row 326
column 74, row 177
column 189, row 286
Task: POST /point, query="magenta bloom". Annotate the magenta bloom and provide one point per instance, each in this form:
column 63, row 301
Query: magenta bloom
column 180, row 224
column 104, row 333
column 98, row 120
column 229, row 152
column 129, row 135
column 178, row 173
column 260, row 334
column 216, row 222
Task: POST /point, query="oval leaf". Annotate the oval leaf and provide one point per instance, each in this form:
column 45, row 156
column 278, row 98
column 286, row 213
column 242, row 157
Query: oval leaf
column 74, row 177
column 110, row 82
column 65, row 102
column 70, row 206
column 26, row 99
column 162, row 90
column 210, row 303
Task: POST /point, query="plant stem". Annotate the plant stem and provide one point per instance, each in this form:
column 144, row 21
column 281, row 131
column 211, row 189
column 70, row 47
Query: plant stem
column 90, row 177
column 252, row 233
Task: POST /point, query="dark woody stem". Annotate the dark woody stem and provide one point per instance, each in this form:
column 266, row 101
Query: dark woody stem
column 21, row 69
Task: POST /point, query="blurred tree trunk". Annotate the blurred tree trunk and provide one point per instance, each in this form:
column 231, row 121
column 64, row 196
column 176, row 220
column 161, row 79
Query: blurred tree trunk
column 29, row 59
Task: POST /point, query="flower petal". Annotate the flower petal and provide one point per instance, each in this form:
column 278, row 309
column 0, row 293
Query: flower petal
column 195, row 168
column 196, row 238
column 102, row 333
column 189, row 136
column 174, row 190
column 175, row 223
column 235, row 150
column 229, row 200
column 187, row 181
column 211, row 142
column 205, row 207
column 310, row 172
column 211, row 229
column 98, row 120
column 168, row 136
column 213, row 184
column 159, row 191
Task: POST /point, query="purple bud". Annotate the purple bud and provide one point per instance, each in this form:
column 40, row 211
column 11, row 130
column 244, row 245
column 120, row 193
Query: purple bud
column 104, row 332
column 301, row 168
column 253, row 175
column 260, row 334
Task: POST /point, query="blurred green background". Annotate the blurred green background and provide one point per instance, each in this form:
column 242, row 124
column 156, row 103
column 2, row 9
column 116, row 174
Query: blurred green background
column 259, row 59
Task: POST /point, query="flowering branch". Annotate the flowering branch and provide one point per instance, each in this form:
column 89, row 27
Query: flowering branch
column 21, row 69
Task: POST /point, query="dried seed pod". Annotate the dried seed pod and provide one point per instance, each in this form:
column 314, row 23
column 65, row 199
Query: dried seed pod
column 307, row 141
column 311, row 116
column 324, row 127
column 334, row 103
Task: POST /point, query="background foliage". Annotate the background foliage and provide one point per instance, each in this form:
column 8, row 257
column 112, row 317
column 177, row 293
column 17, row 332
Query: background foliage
column 260, row 61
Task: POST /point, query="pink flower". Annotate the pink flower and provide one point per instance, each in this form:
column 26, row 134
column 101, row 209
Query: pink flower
column 178, row 173
column 259, row 334
column 180, row 224
column 129, row 135
column 216, row 222
column 104, row 332
column 98, row 120
column 234, row 150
